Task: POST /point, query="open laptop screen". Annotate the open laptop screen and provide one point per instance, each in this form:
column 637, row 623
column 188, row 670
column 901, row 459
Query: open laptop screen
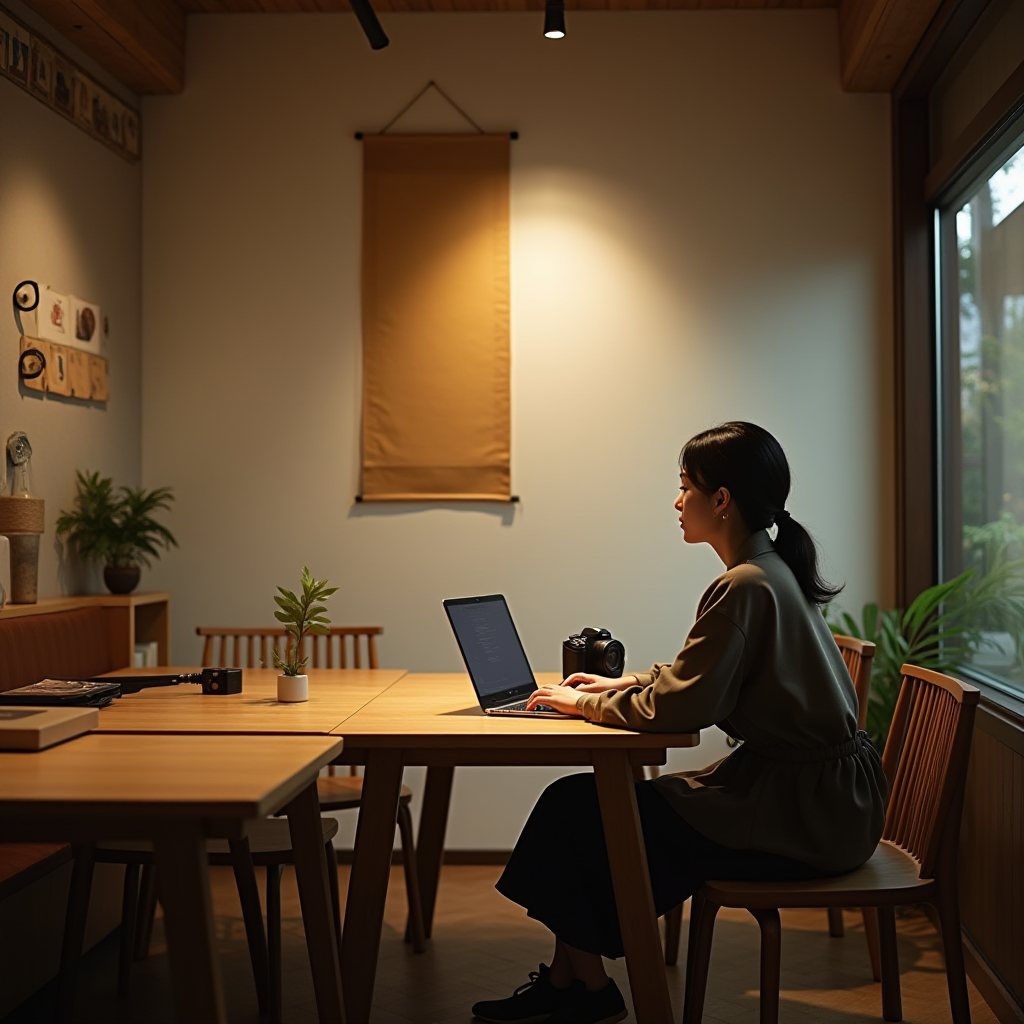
column 490, row 646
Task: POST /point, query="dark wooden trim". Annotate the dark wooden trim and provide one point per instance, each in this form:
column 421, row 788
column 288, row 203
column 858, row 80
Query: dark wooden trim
column 450, row 856
column 915, row 380
column 948, row 29
column 1001, row 725
column 1000, row 1001
column 1005, row 106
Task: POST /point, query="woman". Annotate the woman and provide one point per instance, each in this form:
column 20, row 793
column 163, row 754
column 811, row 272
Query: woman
column 802, row 796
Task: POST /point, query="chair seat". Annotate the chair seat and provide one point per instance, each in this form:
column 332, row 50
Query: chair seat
column 270, row 841
column 340, row 792
column 890, row 877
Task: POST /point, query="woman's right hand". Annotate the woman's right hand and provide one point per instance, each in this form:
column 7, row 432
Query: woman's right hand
column 586, row 682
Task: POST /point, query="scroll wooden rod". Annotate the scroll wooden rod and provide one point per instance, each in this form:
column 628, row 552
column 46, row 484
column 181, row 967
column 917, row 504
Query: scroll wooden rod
column 511, row 499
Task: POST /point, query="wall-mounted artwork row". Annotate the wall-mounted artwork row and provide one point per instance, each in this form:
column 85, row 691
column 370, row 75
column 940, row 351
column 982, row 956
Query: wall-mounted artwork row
column 33, row 63
column 436, row 403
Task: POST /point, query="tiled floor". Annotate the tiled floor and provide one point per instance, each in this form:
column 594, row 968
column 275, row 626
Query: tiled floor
column 483, row 947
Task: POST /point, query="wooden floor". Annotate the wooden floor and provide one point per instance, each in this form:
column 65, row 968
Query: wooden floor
column 484, row 946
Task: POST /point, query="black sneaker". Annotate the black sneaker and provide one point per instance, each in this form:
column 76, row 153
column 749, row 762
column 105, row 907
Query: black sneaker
column 585, row 1007
column 532, row 1003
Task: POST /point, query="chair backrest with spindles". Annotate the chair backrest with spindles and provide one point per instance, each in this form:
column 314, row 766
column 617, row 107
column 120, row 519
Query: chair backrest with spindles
column 925, row 762
column 239, row 647
column 858, row 655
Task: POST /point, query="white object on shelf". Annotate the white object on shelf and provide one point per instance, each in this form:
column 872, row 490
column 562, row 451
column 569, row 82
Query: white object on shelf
column 147, row 655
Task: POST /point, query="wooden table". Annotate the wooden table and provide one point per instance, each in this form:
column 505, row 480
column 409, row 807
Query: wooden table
column 434, row 720
column 177, row 792
column 334, row 695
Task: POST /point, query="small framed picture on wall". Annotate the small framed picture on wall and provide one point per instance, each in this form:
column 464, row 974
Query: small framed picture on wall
column 54, row 316
column 19, row 56
column 85, row 331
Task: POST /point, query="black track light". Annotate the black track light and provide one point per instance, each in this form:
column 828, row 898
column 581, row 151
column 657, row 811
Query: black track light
column 371, row 26
column 554, row 19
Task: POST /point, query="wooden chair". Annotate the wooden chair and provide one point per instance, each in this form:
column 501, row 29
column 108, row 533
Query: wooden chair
column 925, row 762
column 252, row 648
column 336, row 792
column 268, row 844
column 858, row 655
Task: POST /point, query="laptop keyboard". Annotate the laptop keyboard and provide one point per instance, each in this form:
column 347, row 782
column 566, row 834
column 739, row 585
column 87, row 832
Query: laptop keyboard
column 521, row 706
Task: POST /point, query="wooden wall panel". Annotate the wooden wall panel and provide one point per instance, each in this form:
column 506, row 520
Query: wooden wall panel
column 992, row 852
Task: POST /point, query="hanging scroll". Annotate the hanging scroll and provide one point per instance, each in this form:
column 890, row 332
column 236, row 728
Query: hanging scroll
column 436, row 409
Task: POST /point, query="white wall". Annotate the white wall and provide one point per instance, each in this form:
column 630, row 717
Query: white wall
column 70, row 216
column 700, row 231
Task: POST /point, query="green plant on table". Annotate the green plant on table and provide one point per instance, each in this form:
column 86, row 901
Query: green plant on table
column 301, row 616
column 940, row 629
column 116, row 528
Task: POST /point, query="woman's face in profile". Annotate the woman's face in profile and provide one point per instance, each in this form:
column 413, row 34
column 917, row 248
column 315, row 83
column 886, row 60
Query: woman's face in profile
column 696, row 512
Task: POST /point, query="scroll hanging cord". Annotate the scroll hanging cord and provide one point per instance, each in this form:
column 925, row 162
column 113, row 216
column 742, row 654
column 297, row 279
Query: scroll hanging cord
column 432, row 85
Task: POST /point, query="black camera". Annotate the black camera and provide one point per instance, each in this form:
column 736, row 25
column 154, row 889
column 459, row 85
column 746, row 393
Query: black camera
column 594, row 651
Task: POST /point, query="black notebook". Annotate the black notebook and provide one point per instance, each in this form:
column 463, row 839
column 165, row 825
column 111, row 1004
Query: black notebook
column 63, row 693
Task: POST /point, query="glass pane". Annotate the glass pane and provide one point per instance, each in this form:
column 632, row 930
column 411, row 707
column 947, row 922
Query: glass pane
column 990, row 244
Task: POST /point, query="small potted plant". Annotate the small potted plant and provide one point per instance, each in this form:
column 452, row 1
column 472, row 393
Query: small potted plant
column 301, row 616
column 117, row 528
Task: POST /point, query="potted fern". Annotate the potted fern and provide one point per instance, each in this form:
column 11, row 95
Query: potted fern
column 117, row 528
column 944, row 628
column 302, row 616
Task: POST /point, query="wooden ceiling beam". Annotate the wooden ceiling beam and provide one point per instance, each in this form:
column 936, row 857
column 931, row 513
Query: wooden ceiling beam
column 140, row 42
column 877, row 39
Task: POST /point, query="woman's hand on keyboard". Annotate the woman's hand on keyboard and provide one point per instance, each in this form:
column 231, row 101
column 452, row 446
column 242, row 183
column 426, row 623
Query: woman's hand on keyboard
column 555, row 697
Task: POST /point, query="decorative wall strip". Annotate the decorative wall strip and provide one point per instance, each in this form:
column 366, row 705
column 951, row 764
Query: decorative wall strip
column 32, row 62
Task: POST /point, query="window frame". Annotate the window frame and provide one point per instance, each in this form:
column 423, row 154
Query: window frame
column 949, row 536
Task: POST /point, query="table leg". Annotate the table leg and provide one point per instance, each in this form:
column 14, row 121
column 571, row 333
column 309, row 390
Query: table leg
column 315, row 899
column 184, row 887
column 648, row 981
column 430, row 843
column 368, row 881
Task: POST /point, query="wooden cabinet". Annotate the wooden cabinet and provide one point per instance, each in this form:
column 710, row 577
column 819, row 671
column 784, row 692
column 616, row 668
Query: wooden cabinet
column 131, row 619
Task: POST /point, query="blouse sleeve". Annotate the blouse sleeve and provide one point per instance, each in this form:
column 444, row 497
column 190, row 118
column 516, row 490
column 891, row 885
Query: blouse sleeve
column 697, row 690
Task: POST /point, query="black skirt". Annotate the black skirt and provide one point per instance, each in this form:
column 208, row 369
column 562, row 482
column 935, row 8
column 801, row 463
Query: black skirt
column 565, row 830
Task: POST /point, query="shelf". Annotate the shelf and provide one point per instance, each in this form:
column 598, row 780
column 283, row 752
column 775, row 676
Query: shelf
column 131, row 619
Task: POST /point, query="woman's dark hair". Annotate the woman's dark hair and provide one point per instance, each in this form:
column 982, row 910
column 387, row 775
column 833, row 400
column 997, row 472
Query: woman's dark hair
column 750, row 463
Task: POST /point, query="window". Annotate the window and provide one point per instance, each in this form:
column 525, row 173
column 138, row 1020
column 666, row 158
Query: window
column 982, row 444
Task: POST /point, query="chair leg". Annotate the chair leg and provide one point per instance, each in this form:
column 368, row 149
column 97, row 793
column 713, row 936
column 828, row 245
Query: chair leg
column 673, row 928
column 871, row 934
column 332, row 881
column 835, row 922
column 252, row 916
column 274, row 940
column 771, row 963
column 948, row 906
column 126, row 939
column 698, row 956
column 147, row 912
column 414, row 931
column 74, row 933
column 892, row 1001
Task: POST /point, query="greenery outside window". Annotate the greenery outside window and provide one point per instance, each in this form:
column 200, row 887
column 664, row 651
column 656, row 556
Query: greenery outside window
column 982, row 423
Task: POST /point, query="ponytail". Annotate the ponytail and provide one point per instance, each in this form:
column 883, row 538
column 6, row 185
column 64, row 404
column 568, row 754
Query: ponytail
column 748, row 461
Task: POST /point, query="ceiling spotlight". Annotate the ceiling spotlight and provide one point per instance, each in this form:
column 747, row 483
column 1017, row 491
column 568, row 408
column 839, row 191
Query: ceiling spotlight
column 371, row 26
column 554, row 19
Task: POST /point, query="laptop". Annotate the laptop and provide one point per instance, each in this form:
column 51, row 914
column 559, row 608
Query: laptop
column 494, row 656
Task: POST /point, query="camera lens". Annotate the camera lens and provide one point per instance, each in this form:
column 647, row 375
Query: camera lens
column 611, row 657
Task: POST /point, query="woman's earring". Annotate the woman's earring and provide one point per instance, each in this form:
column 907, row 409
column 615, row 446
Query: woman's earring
column 725, row 515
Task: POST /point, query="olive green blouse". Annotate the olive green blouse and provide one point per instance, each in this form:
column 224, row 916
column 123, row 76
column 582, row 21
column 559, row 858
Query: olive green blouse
column 761, row 664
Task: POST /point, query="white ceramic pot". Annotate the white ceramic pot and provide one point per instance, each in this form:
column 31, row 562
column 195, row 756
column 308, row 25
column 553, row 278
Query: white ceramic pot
column 292, row 689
